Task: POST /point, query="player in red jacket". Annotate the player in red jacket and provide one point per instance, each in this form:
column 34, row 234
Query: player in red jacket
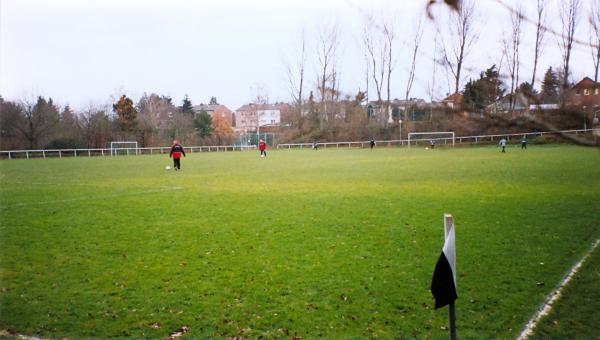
column 176, row 152
column 262, row 146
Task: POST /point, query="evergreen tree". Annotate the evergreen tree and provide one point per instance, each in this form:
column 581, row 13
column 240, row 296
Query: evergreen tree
column 527, row 90
column 471, row 98
column 67, row 128
column 186, row 106
column 203, row 124
column 550, row 87
column 484, row 91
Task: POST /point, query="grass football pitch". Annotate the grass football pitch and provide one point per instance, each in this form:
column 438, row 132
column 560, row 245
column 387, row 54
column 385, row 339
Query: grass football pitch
column 332, row 243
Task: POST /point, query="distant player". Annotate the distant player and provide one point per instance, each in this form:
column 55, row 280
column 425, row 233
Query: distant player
column 176, row 152
column 372, row 143
column 262, row 146
column 524, row 143
column 315, row 146
column 503, row 144
column 432, row 143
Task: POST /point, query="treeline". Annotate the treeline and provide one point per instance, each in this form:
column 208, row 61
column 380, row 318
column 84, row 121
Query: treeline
column 484, row 108
column 153, row 121
column 445, row 47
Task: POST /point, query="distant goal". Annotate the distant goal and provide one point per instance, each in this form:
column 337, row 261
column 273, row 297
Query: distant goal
column 123, row 148
column 426, row 138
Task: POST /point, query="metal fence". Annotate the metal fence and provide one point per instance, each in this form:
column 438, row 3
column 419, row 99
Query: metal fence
column 115, row 152
column 442, row 140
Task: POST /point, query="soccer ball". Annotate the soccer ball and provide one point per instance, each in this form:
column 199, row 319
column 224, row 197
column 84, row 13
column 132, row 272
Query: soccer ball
column 262, row 155
column 167, row 168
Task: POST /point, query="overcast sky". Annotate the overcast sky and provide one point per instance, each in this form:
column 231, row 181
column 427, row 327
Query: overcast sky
column 82, row 51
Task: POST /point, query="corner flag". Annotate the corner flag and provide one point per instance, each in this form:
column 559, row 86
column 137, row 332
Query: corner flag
column 443, row 284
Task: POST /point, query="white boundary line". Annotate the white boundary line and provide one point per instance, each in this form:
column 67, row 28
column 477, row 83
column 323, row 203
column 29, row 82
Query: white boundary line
column 54, row 184
column 554, row 296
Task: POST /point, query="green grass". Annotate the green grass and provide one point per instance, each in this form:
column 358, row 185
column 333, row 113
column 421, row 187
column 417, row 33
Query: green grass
column 576, row 313
column 332, row 243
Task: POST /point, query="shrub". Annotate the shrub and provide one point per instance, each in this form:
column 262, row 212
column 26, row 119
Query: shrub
column 63, row 143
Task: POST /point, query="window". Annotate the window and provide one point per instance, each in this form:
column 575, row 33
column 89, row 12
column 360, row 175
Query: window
column 578, row 92
column 586, row 92
column 596, row 92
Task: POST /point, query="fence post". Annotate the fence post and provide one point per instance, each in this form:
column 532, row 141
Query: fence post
column 89, row 153
column 9, row 157
column 44, row 153
column 27, row 154
column 59, row 154
column 75, row 153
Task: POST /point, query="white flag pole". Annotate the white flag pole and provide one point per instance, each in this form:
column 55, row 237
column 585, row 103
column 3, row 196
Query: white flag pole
column 448, row 226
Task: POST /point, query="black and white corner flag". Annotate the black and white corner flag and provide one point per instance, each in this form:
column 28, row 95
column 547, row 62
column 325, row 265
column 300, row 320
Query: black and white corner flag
column 443, row 284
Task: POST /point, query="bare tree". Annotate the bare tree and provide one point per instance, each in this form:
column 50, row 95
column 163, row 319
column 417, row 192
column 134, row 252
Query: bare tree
column 511, row 49
column 296, row 75
column 462, row 35
column 432, row 86
column 416, row 43
column 10, row 118
column 38, row 120
column 594, row 20
column 367, row 68
column 261, row 95
column 569, row 15
column 379, row 39
column 376, row 50
column 390, row 39
column 540, row 31
column 89, row 125
column 327, row 45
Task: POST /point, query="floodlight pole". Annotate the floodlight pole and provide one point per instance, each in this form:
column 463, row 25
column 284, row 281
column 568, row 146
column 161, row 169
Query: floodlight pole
column 448, row 225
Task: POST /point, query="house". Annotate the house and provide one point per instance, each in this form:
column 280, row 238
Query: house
column 246, row 119
column 217, row 109
column 584, row 95
column 406, row 104
column 521, row 103
column 453, row 101
column 411, row 105
column 251, row 116
column 268, row 115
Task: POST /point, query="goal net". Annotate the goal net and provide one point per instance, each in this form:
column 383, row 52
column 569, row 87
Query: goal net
column 431, row 138
column 123, row 148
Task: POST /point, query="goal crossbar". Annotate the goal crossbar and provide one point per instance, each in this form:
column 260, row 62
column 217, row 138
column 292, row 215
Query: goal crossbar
column 417, row 134
column 116, row 146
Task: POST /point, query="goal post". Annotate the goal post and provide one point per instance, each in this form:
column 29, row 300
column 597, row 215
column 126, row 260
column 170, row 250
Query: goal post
column 124, row 148
column 437, row 137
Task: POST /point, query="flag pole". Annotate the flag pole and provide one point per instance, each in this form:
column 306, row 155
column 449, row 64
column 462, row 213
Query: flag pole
column 448, row 225
column 452, row 321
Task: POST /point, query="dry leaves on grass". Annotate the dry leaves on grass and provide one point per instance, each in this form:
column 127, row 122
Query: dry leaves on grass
column 180, row 332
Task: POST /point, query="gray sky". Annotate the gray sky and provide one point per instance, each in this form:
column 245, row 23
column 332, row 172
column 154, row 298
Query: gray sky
column 82, row 51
